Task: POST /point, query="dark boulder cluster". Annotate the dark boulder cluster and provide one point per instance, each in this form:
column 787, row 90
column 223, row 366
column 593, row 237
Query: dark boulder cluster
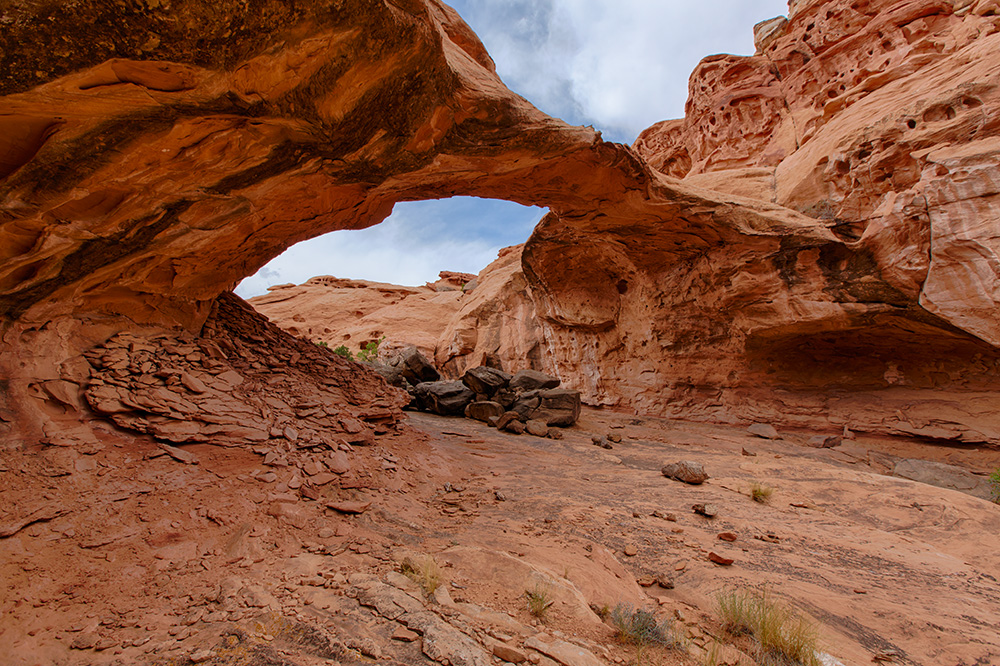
column 526, row 401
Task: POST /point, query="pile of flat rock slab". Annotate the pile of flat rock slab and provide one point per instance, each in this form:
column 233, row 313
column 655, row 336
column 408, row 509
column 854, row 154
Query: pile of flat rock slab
column 526, row 401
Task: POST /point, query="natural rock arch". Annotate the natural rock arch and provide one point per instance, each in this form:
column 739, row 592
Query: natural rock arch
column 148, row 172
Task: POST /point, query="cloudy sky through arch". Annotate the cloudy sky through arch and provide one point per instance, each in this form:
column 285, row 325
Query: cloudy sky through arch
column 619, row 65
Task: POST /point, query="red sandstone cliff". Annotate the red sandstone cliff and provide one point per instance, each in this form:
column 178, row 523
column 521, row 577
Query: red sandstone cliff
column 850, row 281
column 879, row 120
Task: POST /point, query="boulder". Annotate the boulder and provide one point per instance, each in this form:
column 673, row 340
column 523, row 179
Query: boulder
column 415, row 367
column 526, row 404
column 530, row 380
column 506, row 418
column 537, row 428
column 558, row 407
column 447, row 398
column 514, row 426
column 486, row 380
column 506, row 397
column 393, row 374
column 686, row 471
column 483, row 410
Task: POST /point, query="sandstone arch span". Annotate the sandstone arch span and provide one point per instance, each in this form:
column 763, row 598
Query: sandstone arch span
column 150, row 169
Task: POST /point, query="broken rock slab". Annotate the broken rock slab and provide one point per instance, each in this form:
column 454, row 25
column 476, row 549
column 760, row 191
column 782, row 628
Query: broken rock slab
column 483, row 410
column 486, row 380
column 415, row 367
column 531, row 380
column 559, row 407
column 764, row 431
column 447, row 398
column 562, row 651
column 943, row 476
column 687, row 471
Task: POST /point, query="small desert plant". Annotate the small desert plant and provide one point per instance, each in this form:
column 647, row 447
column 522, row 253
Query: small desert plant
column 342, row 351
column 426, row 573
column 760, row 492
column 639, row 627
column 995, row 485
column 539, row 600
column 369, row 353
column 781, row 634
column 321, row 344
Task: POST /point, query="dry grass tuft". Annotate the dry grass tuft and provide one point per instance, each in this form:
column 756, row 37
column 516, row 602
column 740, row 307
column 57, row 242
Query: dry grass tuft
column 639, row 627
column 760, row 492
column 782, row 635
column 539, row 600
column 425, row 572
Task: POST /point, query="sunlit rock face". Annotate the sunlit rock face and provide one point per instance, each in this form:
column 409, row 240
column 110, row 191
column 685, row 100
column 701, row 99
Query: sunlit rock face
column 144, row 170
column 880, row 120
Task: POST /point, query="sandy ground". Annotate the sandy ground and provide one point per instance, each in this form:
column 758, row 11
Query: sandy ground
column 121, row 554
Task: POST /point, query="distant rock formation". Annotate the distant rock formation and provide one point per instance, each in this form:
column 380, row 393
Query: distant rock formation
column 354, row 313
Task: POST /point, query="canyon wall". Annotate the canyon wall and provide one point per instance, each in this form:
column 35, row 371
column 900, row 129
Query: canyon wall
column 146, row 171
column 879, row 121
column 811, row 245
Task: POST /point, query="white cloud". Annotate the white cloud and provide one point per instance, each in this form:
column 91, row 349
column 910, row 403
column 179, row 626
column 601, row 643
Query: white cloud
column 620, row 65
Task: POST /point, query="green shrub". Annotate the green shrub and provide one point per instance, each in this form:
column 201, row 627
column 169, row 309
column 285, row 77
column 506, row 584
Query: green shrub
column 781, row 634
column 995, row 485
column 343, row 351
column 369, row 353
column 321, row 344
column 639, row 627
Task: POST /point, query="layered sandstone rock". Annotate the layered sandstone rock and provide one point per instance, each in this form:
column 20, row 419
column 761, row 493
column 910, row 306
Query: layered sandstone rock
column 850, row 281
column 241, row 381
column 879, row 120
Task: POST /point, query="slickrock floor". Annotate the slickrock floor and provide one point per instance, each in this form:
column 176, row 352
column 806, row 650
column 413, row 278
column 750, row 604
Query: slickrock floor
column 121, row 553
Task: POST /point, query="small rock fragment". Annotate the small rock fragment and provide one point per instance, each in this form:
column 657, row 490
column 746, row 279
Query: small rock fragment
column 537, row 428
column 349, row 506
column 405, row 635
column 631, row 550
column 727, row 536
column 825, row 442
column 707, row 510
column 181, row 455
column 719, row 559
column 664, row 581
column 764, row 431
column 509, row 653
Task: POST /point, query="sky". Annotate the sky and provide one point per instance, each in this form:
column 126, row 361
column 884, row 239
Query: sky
column 618, row 65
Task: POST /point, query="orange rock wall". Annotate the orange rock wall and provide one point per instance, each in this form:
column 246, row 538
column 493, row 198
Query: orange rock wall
column 850, row 279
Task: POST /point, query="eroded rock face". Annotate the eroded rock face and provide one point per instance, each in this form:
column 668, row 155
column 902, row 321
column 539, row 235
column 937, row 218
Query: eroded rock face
column 850, row 280
column 879, row 120
column 241, row 381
